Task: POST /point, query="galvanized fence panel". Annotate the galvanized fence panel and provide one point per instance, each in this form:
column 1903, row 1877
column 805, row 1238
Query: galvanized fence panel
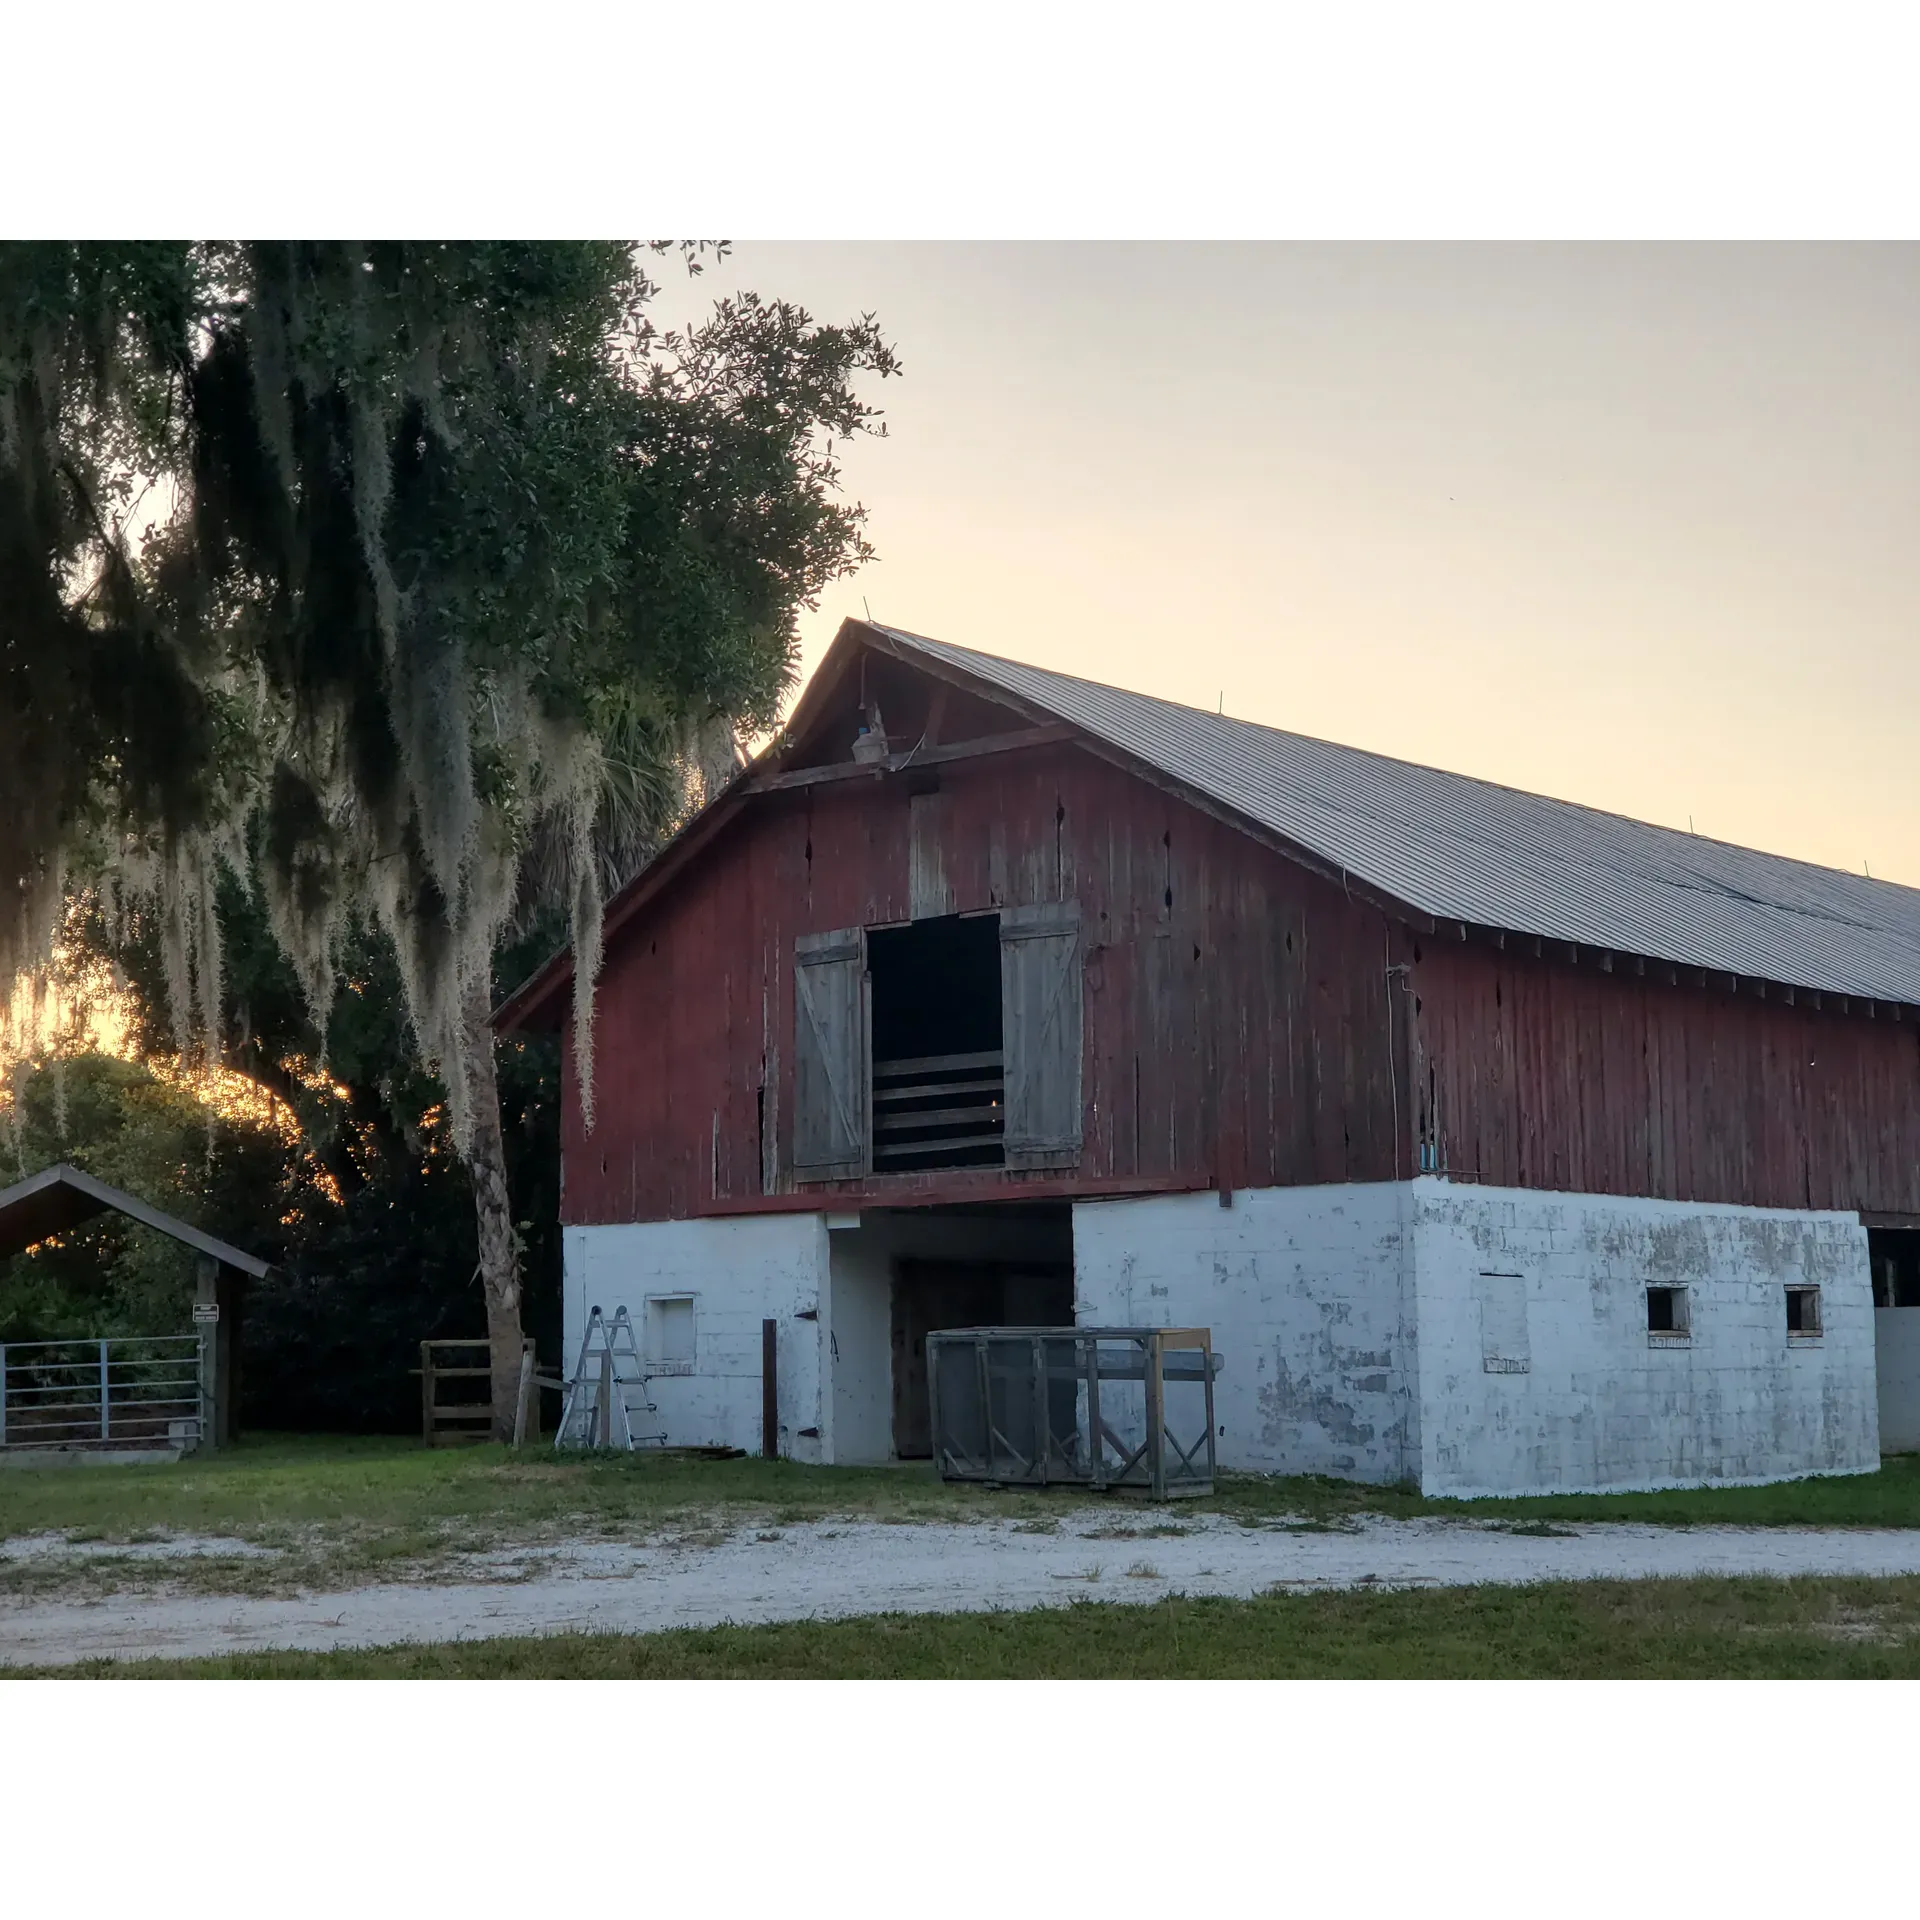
column 137, row 1391
column 1103, row 1407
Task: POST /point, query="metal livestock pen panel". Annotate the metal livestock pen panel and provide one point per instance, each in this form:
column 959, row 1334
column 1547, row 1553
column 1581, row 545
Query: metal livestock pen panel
column 1101, row 1407
column 131, row 1392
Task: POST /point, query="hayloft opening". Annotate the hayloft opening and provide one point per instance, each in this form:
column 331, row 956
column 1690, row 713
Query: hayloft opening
column 939, row 1086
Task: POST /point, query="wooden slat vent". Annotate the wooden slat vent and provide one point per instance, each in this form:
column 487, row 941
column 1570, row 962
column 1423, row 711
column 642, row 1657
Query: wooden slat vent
column 940, row 1110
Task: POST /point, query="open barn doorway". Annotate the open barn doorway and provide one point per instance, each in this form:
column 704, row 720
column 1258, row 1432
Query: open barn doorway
column 1894, row 1255
column 901, row 1274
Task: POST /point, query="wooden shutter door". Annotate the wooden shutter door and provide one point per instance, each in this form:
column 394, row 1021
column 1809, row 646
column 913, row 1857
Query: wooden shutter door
column 1041, row 1015
column 829, row 1055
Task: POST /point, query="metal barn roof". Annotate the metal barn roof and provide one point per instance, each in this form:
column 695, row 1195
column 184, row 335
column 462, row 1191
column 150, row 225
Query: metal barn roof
column 1461, row 849
column 59, row 1198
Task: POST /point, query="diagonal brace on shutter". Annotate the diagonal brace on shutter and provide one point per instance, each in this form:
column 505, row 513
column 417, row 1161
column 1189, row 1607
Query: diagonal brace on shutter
column 1043, row 1017
column 830, row 1019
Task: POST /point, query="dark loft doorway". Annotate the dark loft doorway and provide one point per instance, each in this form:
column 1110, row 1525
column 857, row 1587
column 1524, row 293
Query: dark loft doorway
column 939, row 1073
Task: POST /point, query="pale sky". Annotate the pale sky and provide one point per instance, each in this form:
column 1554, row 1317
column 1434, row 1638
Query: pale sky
column 1631, row 525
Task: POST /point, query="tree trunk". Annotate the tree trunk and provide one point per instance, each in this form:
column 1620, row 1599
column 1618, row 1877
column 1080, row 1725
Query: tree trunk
column 499, row 1245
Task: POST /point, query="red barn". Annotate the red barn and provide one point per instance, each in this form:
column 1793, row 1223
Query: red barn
column 1502, row 1143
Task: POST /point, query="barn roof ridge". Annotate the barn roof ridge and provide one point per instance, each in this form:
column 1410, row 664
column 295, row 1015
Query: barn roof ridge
column 1454, row 847
column 1459, row 848
column 958, row 654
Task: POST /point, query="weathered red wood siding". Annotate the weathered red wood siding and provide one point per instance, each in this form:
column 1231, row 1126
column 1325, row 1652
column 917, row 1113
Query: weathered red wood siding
column 1239, row 1025
column 1537, row 1072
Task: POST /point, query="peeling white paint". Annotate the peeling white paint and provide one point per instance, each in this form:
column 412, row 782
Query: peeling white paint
column 738, row 1273
column 1475, row 1340
column 1493, row 1340
column 1601, row 1405
column 1306, row 1292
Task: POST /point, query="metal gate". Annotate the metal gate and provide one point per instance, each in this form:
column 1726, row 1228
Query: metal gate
column 1128, row 1408
column 134, row 1392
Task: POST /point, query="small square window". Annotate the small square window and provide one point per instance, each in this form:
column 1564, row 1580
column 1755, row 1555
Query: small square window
column 670, row 1334
column 1667, row 1314
column 1803, row 1313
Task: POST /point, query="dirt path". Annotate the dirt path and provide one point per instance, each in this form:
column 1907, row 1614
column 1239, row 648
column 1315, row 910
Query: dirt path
column 827, row 1569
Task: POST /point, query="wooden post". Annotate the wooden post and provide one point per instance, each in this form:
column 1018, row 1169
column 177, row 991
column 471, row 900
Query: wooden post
column 770, row 1389
column 426, row 1391
column 1156, row 1419
column 603, row 1403
column 520, row 1421
column 214, row 1349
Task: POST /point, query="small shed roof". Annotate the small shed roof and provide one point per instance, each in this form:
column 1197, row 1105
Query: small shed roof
column 61, row 1197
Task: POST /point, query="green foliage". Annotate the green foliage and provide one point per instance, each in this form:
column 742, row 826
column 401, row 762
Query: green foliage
column 116, row 1120
column 378, row 1250
column 437, row 523
column 366, row 611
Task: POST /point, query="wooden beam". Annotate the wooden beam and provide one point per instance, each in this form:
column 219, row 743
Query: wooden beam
column 819, row 776
column 1050, row 735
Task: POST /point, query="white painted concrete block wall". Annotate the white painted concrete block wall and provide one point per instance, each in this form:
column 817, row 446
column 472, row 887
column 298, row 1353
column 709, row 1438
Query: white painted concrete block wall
column 1598, row 1404
column 1306, row 1291
column 1357, row 1325
column 739, row 1272
column 1897, row 1355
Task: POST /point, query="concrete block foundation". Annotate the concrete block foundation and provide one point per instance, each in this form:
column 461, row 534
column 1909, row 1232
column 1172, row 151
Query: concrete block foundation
column 1471, row 1340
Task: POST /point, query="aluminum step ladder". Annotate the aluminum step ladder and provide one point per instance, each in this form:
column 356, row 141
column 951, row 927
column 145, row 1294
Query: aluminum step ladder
column 608, row 1391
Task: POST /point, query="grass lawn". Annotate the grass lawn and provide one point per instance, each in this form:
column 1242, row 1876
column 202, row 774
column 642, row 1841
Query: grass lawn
column 344, row 1512
column 1654, row 1629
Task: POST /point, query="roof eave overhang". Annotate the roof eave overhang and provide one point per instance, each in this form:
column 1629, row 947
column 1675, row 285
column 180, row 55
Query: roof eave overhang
column 97, row 1198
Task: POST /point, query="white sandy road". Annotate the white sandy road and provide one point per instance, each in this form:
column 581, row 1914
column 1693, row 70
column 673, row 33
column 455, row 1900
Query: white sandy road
column 837, row 1568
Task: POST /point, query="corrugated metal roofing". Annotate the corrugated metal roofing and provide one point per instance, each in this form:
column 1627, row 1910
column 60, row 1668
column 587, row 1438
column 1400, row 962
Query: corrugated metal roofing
column 1462, row 849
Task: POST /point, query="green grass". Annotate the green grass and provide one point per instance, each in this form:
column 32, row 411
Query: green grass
column 343, row 1512
column 1655, row 1629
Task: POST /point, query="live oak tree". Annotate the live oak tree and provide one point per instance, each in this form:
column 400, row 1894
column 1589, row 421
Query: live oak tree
column 412, row 585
